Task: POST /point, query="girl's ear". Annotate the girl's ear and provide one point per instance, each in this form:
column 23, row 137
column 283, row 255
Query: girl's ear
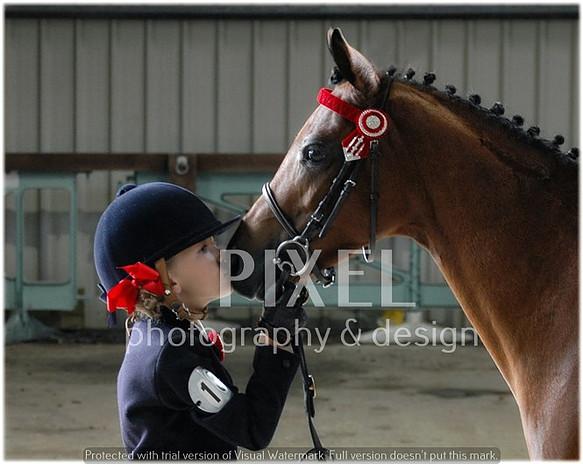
column 174, row 285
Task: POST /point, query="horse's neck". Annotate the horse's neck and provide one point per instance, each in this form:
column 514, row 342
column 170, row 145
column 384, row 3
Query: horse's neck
column 501, row 238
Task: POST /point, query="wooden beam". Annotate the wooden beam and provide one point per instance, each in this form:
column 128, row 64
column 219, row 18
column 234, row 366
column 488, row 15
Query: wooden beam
column 290, row 11
column 72, row 162
column 149, row 162
column 219, row 162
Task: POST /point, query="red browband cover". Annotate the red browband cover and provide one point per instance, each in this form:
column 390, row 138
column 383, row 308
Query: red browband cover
column 370, row 124
column 346, row 110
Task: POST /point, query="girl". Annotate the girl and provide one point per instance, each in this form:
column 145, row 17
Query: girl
column 156, row 258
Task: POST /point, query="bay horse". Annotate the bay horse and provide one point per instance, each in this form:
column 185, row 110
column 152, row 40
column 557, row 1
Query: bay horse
column 496, row 207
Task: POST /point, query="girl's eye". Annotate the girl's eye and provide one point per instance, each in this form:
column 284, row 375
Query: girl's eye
column 203, row 249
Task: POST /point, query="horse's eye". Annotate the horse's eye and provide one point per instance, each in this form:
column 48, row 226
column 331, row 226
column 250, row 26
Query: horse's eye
column 314, row 153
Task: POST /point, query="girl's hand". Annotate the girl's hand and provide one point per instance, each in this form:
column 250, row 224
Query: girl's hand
column 282, row 320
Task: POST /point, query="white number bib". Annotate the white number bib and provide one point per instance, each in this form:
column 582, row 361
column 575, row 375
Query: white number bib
column 207, row 391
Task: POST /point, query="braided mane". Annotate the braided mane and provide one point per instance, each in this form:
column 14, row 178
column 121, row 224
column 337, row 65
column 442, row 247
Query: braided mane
column 494, row 114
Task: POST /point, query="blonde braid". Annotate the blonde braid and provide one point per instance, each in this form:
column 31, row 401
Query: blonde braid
column 148, row 304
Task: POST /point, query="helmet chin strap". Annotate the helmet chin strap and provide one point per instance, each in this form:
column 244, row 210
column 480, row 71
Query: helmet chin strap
column 171, row 301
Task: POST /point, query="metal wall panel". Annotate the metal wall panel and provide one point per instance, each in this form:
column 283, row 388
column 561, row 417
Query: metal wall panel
column 247, row 85
column 128, row 86
column 380, row 41
column 449, row 52
column 22, row 103
column 162, row 86
column 270, row 93
column 519, row 67
column 231, row 85
column 199, row 86
column 305, row 71
column 57, row 85
column 557, row 99
column 484, row 71
column 92, row 86
column 234, row 75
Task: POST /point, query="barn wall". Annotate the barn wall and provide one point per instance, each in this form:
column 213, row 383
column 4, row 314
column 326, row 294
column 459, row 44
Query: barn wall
column 243, row 86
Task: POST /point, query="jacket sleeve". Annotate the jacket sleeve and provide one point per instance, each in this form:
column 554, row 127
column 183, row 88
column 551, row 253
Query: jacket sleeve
column 248, row 419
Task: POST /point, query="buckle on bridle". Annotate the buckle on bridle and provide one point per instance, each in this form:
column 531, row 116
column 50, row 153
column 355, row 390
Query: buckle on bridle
column 298, row 243
column 329, row 276
column 367, row 254
column 311, row 386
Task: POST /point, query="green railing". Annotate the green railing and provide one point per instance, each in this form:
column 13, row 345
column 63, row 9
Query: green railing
column 20, row 293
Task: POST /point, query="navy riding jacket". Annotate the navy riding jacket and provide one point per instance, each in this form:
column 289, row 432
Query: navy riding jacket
column 156, row 411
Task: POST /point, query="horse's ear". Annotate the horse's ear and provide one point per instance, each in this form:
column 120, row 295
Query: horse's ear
column 353, row 66
column 338, row 48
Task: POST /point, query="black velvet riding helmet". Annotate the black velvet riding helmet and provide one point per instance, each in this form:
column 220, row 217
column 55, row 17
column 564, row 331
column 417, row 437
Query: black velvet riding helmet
column 147, row 222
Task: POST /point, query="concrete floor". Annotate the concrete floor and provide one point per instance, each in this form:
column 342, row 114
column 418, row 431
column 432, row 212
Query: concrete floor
column 60, row 399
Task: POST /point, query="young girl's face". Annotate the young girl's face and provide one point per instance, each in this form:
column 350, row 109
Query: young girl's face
column 195, row 273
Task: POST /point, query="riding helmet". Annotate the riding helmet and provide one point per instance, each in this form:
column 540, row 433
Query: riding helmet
column 147, row 222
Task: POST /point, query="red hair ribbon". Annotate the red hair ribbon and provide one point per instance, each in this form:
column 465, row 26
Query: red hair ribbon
column 125, row 293
column 370, row 124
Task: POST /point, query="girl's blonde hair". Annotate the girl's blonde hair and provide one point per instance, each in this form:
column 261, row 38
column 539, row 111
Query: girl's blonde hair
column 148, row 305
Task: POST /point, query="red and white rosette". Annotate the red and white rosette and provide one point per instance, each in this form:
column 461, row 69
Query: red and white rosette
column 373, row 123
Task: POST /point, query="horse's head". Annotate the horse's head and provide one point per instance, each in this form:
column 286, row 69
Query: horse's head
column 311, row 163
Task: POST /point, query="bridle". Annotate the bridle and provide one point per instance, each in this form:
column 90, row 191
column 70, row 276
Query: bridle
column 370, row 125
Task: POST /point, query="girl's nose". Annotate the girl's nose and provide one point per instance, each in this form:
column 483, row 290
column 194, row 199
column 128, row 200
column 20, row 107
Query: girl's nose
column 216, row 252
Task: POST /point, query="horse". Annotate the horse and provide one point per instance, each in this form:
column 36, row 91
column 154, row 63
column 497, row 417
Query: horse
column 495, row 205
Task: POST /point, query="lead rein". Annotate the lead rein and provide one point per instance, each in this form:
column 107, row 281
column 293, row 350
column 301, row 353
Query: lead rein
column 345, row 180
